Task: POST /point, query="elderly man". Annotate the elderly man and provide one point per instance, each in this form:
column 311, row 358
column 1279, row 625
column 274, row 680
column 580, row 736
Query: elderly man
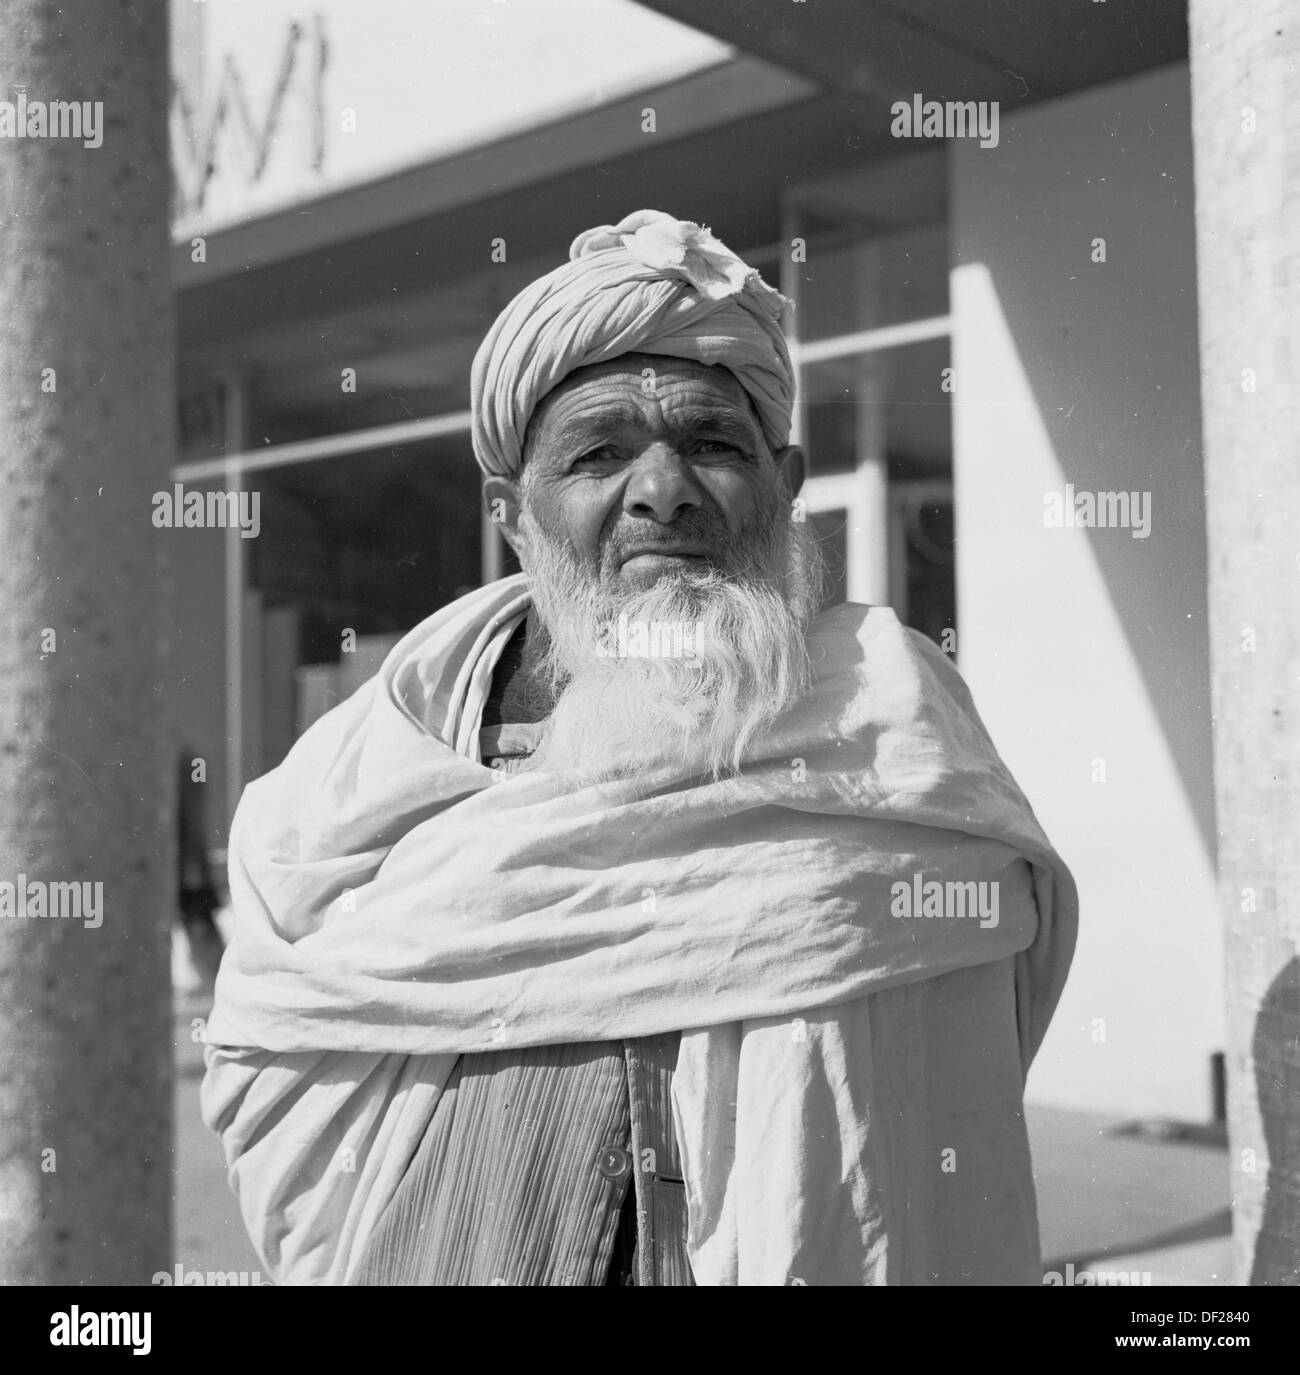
column 636, row 924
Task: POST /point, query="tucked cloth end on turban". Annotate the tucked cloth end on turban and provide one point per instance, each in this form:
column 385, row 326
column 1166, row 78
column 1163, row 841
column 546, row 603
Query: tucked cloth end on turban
column 649, row 284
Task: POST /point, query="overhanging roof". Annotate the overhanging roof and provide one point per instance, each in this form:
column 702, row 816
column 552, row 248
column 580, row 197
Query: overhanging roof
column 809, row 98
column 1013, row 51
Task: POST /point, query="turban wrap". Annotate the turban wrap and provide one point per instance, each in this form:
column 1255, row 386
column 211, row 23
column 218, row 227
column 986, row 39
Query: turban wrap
column 649, row 284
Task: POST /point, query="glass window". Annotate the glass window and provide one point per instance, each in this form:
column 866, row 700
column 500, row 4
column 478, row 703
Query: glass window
column 875, row 413
column 923, row 588
column 890, row 404
column 831, row 528
column 200, row 674
column 852, row 285
column 354, row 551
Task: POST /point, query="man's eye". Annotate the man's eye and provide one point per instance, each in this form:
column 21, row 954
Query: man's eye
column 716, row 446
column 605, row 455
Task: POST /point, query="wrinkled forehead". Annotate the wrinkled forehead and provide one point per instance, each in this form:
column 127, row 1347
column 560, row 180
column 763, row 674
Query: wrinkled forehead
column 676, row 382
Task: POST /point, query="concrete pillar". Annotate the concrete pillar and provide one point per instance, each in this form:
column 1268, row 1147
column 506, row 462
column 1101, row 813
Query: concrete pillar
column 1245, row 62
column 87, row 771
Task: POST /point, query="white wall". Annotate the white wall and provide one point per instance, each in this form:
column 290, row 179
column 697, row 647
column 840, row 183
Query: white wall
column 1090, row 645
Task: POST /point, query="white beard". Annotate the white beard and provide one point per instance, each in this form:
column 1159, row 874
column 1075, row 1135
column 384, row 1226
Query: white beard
column 617, row 714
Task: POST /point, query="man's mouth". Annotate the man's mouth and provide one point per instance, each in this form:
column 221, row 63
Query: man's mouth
column 650, row 556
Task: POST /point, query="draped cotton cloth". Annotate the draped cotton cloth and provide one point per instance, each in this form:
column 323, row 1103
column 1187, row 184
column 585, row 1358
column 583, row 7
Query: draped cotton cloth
column 649, row 284
column 398, row 904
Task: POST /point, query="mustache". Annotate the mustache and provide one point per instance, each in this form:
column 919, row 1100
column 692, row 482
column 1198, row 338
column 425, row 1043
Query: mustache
column 711, row 533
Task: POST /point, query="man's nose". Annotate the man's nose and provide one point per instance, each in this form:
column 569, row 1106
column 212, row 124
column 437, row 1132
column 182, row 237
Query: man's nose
column 660, row 486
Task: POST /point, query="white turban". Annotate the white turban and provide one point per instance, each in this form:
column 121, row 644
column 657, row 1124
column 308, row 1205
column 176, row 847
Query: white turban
column 649, row 284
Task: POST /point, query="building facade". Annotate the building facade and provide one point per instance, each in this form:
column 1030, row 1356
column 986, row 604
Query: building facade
column 996, row 337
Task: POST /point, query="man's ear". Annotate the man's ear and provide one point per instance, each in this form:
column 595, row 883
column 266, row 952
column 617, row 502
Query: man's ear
column 793, row 466
column 501, row 502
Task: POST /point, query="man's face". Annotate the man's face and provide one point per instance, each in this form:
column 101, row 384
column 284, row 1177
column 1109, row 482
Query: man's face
column 648, row 465
column 650, row 498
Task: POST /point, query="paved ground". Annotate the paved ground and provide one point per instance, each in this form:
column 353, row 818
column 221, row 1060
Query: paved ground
column 1121, row 1202
column 209, row 1232
column 1106, row 1201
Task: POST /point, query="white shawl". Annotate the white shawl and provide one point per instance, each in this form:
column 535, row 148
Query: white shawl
column 848, row 1091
